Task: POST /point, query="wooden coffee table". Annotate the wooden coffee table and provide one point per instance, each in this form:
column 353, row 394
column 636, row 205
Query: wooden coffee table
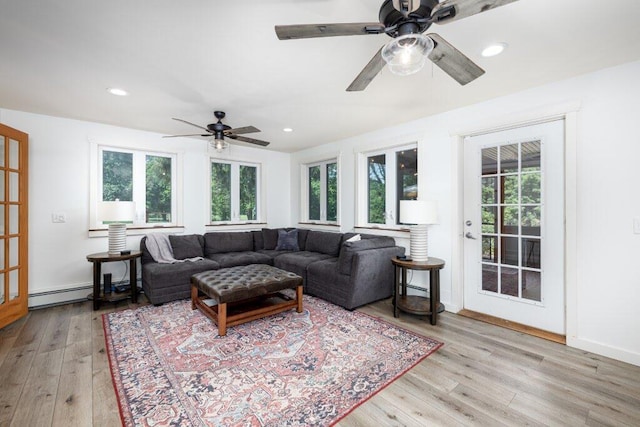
column 235, row 295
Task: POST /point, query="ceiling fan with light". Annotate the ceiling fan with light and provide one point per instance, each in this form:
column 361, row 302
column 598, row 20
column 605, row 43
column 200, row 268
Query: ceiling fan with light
column 219, row 131
column 406, row 21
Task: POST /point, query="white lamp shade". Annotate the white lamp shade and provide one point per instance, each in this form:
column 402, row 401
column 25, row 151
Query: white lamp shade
column 116, row 212
column 418, row 212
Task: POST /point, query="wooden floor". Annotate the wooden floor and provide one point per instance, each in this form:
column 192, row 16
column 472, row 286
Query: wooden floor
column 54, row 371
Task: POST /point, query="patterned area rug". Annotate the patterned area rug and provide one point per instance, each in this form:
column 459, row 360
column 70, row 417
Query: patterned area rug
column 170, row 367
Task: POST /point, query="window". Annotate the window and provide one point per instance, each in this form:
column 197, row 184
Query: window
column 385, row 178
column 320, row 192
column 147, row 178
column 234, row 192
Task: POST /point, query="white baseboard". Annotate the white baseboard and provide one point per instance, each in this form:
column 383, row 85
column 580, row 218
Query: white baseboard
column 605, row 350
column 60, row 296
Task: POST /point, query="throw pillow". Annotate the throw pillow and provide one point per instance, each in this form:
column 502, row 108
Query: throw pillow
column 355, row 238
column 186, row 246
column 287, row 240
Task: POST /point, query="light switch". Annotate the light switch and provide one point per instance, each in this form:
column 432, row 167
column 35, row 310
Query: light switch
column 58, row 217
column 636, row 225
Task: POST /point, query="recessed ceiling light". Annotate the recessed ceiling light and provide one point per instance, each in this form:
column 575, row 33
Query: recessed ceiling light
column 287, row 130
column 494, row 49
column 117, row 91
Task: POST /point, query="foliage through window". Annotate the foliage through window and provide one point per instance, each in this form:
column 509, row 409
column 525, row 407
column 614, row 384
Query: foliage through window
column 234, row 192
column 321, row 192
column 388, row 177
column 149, row 179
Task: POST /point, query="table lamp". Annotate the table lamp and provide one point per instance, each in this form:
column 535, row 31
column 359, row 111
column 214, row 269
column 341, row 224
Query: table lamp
column 419, row 214
column 117, row 215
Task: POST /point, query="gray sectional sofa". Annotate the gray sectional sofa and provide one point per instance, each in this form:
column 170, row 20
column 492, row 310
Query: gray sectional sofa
column 346, row 273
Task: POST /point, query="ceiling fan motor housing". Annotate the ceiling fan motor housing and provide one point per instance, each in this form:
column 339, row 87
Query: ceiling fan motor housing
column 390, row 17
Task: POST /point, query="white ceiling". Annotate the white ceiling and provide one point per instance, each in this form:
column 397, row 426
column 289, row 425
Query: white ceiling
column 188, row 58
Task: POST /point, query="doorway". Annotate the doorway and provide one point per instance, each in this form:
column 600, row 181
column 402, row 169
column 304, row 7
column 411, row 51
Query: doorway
column 514, row 225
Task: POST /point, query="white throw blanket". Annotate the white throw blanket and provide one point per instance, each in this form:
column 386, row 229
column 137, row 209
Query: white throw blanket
column 159, row 248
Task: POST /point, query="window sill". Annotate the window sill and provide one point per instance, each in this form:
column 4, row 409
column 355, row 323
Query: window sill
column 311, row 225
column 400, row 233
column 139, row 231
column 236, row 226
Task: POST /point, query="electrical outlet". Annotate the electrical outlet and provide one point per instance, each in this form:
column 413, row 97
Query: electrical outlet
column 636, row 225
column 58, row 217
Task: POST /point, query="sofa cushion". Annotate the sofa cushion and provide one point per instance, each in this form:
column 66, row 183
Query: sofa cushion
column 232, row 259
column 258, row 242
column 168, row 282
column 297, row 262
column 323, row 242
column 287, row 240
column 189, row 246
column 269, row 238
column 227, row 241
column 350, row 248
column 302, row 238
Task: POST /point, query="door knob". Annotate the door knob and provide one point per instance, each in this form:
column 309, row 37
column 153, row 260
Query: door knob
column 469, row 236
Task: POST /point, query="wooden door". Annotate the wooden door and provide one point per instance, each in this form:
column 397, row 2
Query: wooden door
column 13, row 225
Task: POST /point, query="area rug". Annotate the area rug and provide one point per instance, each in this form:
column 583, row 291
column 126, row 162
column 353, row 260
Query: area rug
column 170, row 367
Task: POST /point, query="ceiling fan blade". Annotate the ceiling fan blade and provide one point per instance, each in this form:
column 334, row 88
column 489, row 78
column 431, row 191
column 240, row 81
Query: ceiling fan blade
column 288, row 32
column 406, row 6
column 192, row 124
column 238, row 131
column 452, row 61
column 452, row 10
column 193, row 134
column 368, row 73
column 249, row 140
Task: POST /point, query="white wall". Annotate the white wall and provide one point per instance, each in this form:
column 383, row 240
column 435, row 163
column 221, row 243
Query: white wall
column 59, row 182
column 606, row 315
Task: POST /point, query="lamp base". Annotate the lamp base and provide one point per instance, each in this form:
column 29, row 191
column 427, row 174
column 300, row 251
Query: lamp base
column 117, row 238
column 418, row 243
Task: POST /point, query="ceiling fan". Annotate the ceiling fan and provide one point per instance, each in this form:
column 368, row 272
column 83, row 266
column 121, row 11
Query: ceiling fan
column 219, row 130
column 406, row 21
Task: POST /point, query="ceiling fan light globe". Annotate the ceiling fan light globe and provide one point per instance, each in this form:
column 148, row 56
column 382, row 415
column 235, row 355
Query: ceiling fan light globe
column 407, row 54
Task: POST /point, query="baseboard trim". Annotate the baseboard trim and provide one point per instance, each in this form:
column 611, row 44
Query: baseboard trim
column 519, row 327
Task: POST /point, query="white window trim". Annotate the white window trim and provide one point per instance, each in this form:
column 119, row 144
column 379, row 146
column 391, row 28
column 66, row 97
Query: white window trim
column 362, row 180
column 235, row 188
column 96, row 228
column 304, row 191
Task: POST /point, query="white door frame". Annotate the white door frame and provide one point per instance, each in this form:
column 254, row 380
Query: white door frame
column 569, row 114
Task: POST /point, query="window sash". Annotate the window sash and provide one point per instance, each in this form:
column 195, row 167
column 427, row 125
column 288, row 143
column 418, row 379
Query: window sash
column 317, row 193
column 137, row 191
column 244, row 203
column 393, row 188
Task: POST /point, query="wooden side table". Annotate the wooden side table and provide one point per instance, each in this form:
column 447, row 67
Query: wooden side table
column 415, row 304
column 97, row 260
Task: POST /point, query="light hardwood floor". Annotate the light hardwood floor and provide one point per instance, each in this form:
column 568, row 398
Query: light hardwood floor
column 54, row 372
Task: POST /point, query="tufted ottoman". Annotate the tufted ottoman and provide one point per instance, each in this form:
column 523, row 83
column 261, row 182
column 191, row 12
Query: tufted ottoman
column 244, row 293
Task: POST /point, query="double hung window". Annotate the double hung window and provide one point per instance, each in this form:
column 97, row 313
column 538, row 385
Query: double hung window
column 235, row 192
column 320, row 192
column 384, row 178
column 147, row 178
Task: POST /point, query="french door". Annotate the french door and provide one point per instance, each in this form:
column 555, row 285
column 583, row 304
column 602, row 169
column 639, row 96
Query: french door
column 514, row 225
column 13, row 225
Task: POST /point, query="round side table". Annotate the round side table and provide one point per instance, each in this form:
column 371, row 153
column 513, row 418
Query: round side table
column 415, row 304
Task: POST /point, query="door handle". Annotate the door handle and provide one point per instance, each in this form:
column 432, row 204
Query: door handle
column 470, row 236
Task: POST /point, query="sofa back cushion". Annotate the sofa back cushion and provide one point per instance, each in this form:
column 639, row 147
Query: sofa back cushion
column 258, row 242
column 270, row 238
column 349, row 249
column 227, row 241
column 189, row 246
column 302, row 238
column 323, row 242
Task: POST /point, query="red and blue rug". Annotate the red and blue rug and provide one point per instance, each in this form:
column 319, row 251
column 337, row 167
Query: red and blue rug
column 170, row 367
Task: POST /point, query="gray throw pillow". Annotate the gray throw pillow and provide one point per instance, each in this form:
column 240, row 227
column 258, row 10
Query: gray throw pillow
column 184, row 247
column 287, row 240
